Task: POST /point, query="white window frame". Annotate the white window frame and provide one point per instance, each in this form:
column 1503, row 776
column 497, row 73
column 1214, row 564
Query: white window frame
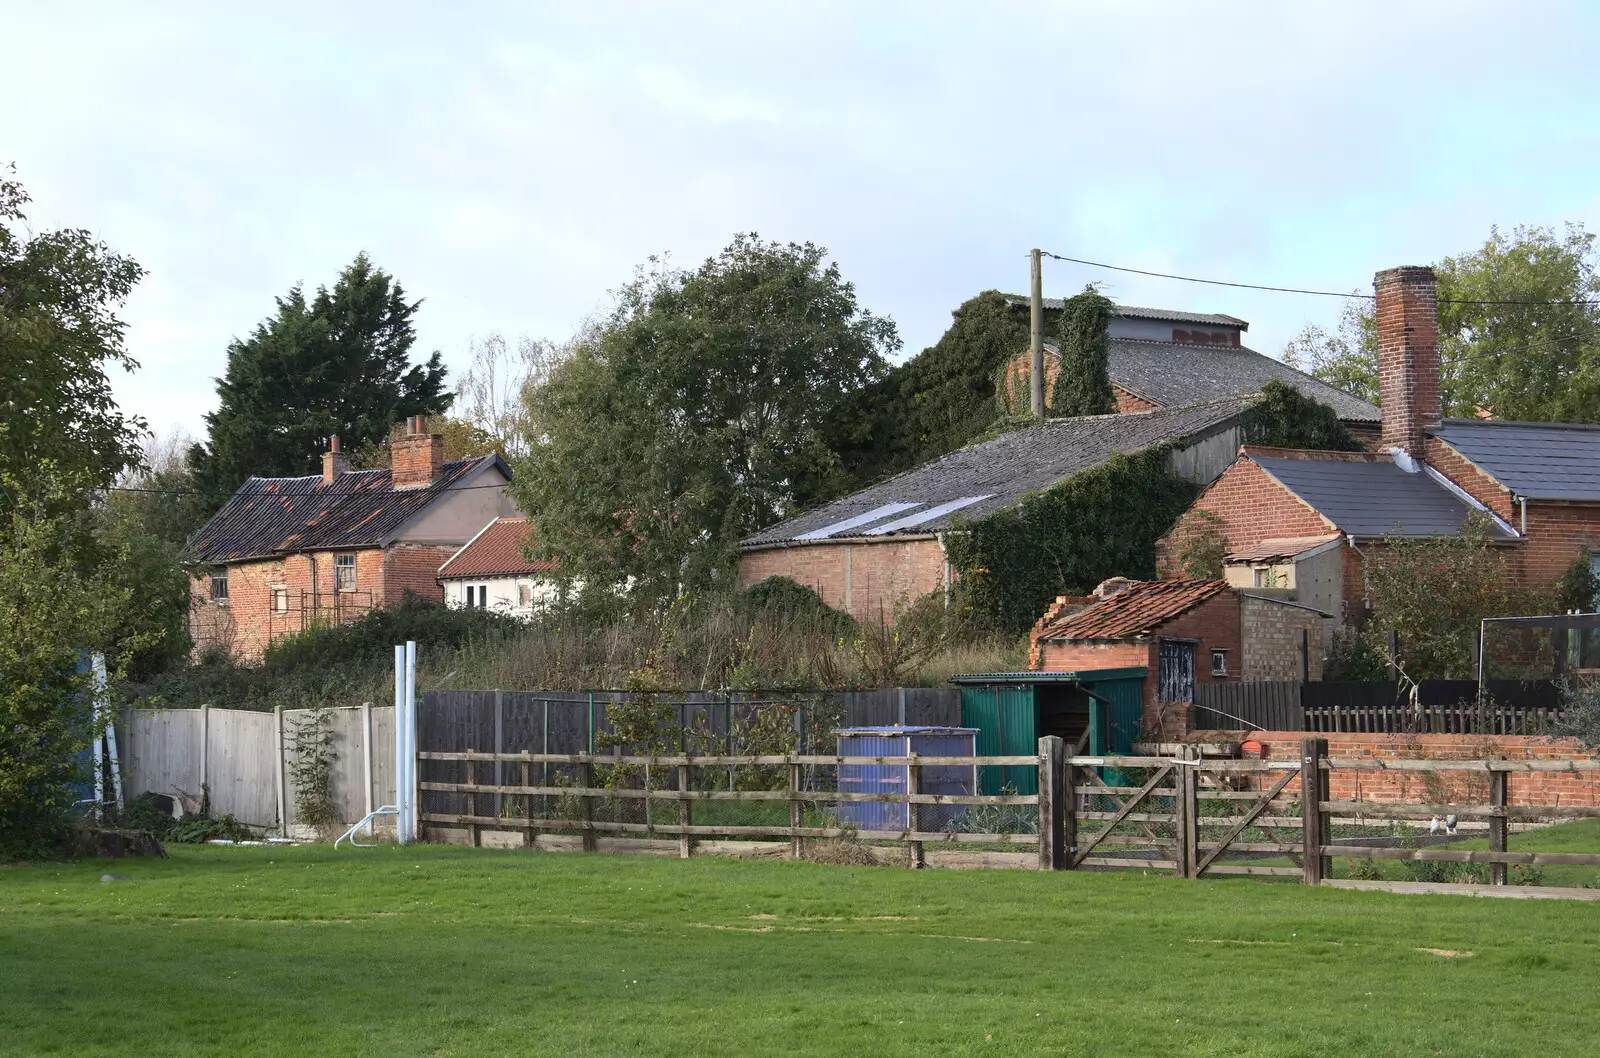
column 275, row 593
column 341, row 580
column 219, row 580
column 1219, row 655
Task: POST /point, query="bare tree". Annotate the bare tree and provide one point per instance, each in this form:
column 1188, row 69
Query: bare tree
column 492, row 391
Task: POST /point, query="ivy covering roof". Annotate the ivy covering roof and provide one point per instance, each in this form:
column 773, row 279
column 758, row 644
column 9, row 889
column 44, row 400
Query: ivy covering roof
column 995, row 474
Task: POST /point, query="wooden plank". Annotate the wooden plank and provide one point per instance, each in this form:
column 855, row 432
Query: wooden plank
column 742, row 795
column 1116, row 861
column 1313, row 818
column 1510, row 892
column 601, row 825
column 1498, row 786
column 1364, row 764
column 1067, row 812
column 1187, row 804
column 1386, row 810
column 1544, row 859
column 1122, row 813
column 737, row 761
column 796, row 808
column 685, row 840
column 1255, row 811
column 1275, row 872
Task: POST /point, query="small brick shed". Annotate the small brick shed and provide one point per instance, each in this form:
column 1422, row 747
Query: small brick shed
column 1185, row 632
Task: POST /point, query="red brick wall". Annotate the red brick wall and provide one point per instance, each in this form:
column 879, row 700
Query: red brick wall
column 1249, row 505
column 246, row 623
column 416, row 460
column 1128, row 402
column 1368, row 436
column 865, row 580
column 1480, row 486
column 1408, row 355
column 1525, row 788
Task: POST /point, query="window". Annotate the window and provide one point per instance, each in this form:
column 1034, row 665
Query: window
column 483, row 596
column 344, row 573
column 280, row 599
column 524, row 594
column 219, row 585
column 1219, row 663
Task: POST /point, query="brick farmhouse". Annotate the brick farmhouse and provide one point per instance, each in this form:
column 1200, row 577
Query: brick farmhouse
column 1304, row 522
column 285, row 554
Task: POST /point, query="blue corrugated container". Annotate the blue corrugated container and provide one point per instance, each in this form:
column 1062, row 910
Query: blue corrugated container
column 892, row 778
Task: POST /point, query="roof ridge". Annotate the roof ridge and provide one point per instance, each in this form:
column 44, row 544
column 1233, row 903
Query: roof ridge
column 1519, row 422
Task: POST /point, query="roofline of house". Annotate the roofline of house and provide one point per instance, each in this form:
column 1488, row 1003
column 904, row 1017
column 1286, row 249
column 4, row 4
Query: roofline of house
column 881, row 538
column 1246, row 593
column 484, row 464
column 446, row 563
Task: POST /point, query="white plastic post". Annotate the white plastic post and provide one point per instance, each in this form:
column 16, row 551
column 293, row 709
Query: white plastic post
column 413, row 798
column 399, row 743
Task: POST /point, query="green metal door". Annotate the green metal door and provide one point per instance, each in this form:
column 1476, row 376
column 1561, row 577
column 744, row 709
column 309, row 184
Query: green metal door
column 1007, row 726
column 1126, row 696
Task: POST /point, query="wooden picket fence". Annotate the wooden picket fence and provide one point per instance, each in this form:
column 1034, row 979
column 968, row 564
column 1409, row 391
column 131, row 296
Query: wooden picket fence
column 1184, row 814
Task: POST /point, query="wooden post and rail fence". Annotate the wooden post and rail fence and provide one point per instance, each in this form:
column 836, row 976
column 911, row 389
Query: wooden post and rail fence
column 1191, row 816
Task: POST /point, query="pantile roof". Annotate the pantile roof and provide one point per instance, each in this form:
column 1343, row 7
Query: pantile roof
column 1134, row 610
column 497, row 551
column 266, row 517
column 994, row 474
column 1539, row 460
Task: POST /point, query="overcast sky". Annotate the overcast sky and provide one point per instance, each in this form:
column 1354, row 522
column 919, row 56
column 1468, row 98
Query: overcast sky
column 510, row 165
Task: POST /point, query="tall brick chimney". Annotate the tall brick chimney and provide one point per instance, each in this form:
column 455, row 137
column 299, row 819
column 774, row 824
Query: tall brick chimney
column 334, row 461
column 1408, row 355
column 416, row 458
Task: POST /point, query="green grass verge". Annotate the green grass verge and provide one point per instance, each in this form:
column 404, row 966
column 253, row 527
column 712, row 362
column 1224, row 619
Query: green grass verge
column 452, row 951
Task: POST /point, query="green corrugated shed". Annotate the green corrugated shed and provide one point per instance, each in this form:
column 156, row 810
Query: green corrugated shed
column 1012, row 709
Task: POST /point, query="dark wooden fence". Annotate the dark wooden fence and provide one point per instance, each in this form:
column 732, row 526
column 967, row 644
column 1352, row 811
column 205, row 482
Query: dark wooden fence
column 1437, row 706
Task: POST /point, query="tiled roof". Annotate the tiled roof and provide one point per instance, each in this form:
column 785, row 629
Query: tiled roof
column 1367, row 494
column 1134, row 610
column 1539, row 460
column 1140, row 312
column 278, row 516
column 994, row 474
column 1169, row 373
column 497, row 551
column 1283, row 547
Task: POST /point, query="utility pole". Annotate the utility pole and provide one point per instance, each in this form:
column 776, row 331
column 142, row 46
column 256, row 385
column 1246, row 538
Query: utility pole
column 1036, row 344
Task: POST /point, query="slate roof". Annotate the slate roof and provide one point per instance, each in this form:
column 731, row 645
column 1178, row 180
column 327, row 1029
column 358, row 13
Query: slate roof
column 994, row 474
column 1542, row 461
column 496, row 552
column 1170, row 373
column 266, row 517
column 1370, row 496
column 1140, row 312
column 1134, row 610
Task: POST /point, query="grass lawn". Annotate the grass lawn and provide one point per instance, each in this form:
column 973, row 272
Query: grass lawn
column 454, row 951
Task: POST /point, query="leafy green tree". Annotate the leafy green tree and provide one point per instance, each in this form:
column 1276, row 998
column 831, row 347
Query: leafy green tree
column 1084, row 385
column 59, row 331
column 55, row 605
column 698, row 413
column 1519, row 331
column 337, row 363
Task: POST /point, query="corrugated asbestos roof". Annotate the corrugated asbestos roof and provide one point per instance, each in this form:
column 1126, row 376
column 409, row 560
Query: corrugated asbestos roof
column 278, row 516
column 1539, row 460
column 1283, row 547
column 1140, row 312
column 993, row 474
column 497, row 551
column 1170, row 373
column 1370, row 496
column 1133, row 610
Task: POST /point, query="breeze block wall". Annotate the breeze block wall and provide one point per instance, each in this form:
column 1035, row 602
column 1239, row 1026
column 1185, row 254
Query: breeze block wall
column 1270, row 633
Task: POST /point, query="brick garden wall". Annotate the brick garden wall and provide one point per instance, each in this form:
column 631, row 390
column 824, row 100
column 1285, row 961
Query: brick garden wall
column 866, row 580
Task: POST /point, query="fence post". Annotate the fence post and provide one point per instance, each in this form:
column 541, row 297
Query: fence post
column 366, row 760
column 1067, row 811
column 1313, row 821
column 685, row 814
column 586, row 778
column 796, row 843
column 1188, row 804
column 1053, row 796
column 913, row 787
column 1499, row 783
column 528, row 837
column 277, row 771
column 472, row 800
column 499, row 748
column 205, row 757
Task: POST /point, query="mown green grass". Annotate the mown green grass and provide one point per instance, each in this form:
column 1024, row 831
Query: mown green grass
column 454, row 951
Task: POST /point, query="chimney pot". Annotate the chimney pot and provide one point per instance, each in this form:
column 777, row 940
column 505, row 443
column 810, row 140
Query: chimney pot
column 334, row 461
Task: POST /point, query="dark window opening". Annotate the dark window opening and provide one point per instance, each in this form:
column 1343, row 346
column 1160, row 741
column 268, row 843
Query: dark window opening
column 219, row 586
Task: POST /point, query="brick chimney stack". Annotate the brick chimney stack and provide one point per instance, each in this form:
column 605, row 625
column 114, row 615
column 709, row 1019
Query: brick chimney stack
column 416, row 459
column 1408, row 355
column 334, row 461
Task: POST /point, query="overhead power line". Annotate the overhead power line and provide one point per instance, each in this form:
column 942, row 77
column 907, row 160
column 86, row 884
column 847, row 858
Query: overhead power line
column 1303, row 290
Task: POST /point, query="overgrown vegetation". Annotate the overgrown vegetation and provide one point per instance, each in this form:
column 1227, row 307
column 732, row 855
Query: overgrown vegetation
column 1099, row 523
column 310, row 767
column 1286, row 418
column 148, row 813
column 1083, row 386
